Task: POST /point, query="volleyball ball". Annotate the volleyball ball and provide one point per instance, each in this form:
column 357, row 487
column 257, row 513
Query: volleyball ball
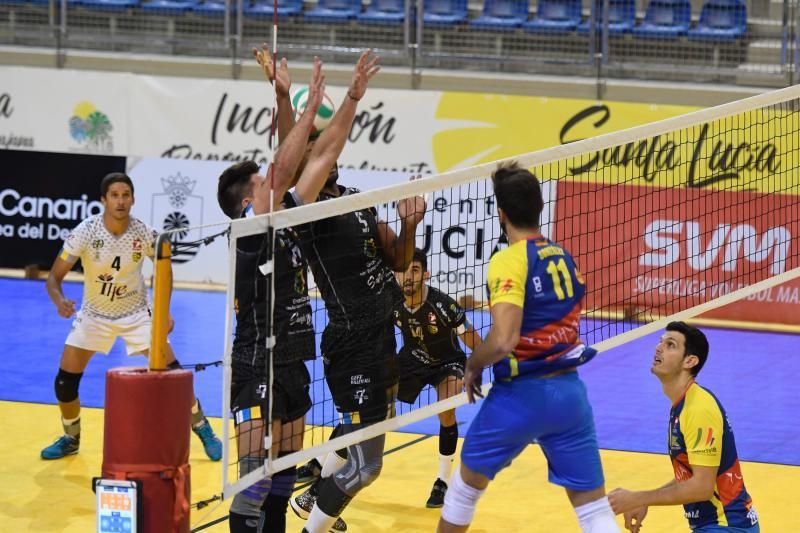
column 324, row 113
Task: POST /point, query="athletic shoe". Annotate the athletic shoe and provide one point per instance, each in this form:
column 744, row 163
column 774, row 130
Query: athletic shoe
column 309, row 471
column 302, row 505
column 437, row 494
column 64, row 446
column 211, row 444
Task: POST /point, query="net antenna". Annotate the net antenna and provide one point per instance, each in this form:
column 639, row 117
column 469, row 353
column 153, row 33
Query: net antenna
column 742, row 136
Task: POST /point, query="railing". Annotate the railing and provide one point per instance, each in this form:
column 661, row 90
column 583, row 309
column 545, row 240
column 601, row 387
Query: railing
column 721, row 41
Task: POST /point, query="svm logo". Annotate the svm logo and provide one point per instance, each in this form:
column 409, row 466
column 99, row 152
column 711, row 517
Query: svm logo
column 91, row 128
column 669, row 240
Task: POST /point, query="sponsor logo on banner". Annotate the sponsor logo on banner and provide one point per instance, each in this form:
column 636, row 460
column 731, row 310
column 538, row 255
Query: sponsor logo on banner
column 10, row 139
column 650, row 254
column 91, row 129
column 176, row 209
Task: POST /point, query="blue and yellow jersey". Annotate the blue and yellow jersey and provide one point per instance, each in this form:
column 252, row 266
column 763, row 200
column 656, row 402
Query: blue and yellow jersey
column 540, row 277
column 699, row 435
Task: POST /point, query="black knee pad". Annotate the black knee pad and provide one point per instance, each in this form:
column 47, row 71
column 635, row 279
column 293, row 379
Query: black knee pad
column 175, row 365
column 67, row 385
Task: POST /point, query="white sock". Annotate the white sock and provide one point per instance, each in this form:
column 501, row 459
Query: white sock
column 446, row 467
column 319, row 522
column 597, row 517
column 70, row 421
column 333, row 463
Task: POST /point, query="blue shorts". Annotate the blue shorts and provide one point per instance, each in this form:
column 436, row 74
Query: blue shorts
column 555, row 412
column 727, row 529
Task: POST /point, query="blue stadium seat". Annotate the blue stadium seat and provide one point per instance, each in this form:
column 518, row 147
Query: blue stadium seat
column 621, row 17
column 109, row 5
column 555, row 16
column 720, row 21
column 444, row 12
column 168, row 7
column 384, row 12
column 502, row 15
column 665, row 19
column 286, row 8
column 334, row 11
column 213, row 8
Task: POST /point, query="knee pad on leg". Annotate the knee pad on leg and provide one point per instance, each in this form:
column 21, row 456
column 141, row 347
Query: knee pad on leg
column 460, row 501
column 249, row 501
column 364, row 464
column 67, row 385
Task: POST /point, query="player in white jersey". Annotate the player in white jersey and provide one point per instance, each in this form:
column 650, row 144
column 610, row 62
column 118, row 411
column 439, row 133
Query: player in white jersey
column 111, row 248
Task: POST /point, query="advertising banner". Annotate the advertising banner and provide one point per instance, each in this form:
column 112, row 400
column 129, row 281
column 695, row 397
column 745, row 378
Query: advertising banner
column 42, row 197
column 667, row 249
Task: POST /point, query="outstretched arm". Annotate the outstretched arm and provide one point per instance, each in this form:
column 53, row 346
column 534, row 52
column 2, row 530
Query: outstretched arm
column 291, row 151
column 332, row 140
column 283, row 83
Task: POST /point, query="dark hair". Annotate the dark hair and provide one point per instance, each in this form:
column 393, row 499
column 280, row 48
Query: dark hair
column 695, row 341
column 234, row 184
column 421, row 258
column 110, row 179
column 518, row 195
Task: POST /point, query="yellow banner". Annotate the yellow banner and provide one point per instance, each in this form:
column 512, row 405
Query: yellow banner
column 750, row 151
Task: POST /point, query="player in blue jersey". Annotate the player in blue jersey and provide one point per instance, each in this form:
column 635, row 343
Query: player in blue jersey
column 536, row 292
column 708, row 479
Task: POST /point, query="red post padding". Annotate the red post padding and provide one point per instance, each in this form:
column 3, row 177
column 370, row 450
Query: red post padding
column 147, row 419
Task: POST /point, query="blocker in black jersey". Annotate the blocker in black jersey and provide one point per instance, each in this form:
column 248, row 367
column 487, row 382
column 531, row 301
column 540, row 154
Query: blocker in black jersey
column 294, row 330
column 360, row 294
column 431, row 351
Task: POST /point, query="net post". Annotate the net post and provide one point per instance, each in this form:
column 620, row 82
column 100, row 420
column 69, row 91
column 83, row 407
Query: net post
column 162, row 287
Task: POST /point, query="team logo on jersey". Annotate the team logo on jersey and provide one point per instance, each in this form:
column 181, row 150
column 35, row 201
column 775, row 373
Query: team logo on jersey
column 370, row 250
column 299, row 282
column 111, row 290
column 175, row 210
column 97, row 244
column 136, row 256
column 432, row 324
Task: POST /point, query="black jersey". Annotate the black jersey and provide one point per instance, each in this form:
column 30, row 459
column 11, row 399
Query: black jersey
column 432, row 328
column 293, row 326
column 346, row 258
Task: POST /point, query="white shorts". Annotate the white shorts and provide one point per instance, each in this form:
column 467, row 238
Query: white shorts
column 99, row 334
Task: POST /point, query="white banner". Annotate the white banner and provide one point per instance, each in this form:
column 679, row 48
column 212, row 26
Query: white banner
column 414, row 132
column 459, row 232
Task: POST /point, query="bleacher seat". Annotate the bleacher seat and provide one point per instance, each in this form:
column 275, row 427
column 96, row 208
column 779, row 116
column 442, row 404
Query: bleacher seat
column 333, row 11
column 109, row 5
column 720, row 21
column 621, row 17
column 168, row 7
column 665, row 19
column 502, row 15
column 444, row 12
column 286, row 8
column 384, row 12
column 213, row 8
column 555, row 16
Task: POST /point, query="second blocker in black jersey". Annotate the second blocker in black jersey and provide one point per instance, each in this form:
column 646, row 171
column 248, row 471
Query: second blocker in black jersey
column 430, row 332
column 346, row 258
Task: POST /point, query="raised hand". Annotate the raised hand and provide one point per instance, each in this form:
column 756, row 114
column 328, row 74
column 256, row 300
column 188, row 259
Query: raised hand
column 366, row 67
column 412, row 210
column 281, row 78
column 316, row 87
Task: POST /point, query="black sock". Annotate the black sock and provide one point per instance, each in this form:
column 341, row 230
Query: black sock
column 273, row 515
column 239, row 523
